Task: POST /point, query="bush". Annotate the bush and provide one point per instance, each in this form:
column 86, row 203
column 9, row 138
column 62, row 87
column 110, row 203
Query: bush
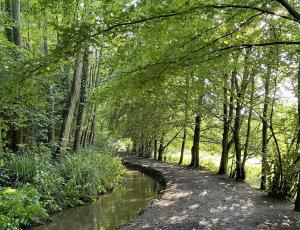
column 21, row 208
column 90, row 173
column 17, row 170
column 76, row 179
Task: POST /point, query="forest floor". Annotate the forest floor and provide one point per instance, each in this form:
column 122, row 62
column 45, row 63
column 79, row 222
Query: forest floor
column 198, row 199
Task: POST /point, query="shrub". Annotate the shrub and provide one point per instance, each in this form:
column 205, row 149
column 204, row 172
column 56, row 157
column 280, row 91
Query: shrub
column 17, row 170
column 21, row 208
column 90, row 173
column 76, row 179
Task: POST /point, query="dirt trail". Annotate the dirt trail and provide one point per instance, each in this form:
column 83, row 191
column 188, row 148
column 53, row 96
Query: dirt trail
column 198, row 199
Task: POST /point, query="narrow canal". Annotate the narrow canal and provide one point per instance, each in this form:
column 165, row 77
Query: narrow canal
column 111, row 210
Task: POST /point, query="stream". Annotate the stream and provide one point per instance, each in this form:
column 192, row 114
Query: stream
column 111, row 210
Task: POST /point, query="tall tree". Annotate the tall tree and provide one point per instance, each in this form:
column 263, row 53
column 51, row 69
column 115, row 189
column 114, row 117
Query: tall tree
column 196, row 143
column 70, row 107
column 82, row 100
column 297, row 201
column 265, row 129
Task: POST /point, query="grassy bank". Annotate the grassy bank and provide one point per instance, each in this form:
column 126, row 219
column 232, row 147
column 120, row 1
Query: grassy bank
column 32, row 185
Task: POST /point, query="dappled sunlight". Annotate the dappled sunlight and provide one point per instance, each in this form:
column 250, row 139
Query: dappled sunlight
column 178, row 219
column 197, row 199
column 194, row 206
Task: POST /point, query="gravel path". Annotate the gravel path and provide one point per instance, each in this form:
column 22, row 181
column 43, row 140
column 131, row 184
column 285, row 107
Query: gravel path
column 198, row 199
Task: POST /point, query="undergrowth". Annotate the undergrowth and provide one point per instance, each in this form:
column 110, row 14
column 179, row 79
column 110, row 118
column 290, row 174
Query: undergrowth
column 32, row 185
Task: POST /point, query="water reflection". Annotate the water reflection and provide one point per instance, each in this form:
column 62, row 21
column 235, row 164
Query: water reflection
column 109, row 211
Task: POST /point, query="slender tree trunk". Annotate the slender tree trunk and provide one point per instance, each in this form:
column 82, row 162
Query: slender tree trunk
column 17, row 38
column 161, row 149
column 148, row 150
column 237, row 142
column 225, row 150
column 83, row 137
column 133, row 150
column 141, row 149
column 195, row 149
column 240, row 91
column 1, row 142
column 246, row 146
column 182, row 147
column 17, row 133
column 8, row 30
column 82, row 99
column 155, row 149
column 278, row 167
column 265, row 132
column 70, row 108
column 92, row 132
column 297, row 202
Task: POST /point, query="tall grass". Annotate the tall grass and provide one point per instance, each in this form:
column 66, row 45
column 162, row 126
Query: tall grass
column 34, row 179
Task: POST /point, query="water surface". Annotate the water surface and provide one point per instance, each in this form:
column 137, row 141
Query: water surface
column 109, row 211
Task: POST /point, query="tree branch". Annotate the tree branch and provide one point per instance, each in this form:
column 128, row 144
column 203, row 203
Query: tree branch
column 171, row 140
column 292, row 11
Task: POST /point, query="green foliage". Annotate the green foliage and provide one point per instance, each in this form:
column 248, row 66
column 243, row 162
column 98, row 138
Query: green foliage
column 18, row 170
column 78, row 178
column 88, row 174
column 21, row 207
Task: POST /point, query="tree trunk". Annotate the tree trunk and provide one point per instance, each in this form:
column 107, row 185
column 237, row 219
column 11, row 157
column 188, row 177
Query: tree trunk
column 148, row 150
column 265, row 133
column 133, row 150
column 240, row 91
column 155, row 149
column 237, row 144
column 182, row 147
column 246, row 146
column 195, row 149
column 1, row 142
column 141, row 149
column 70, row 108
column 8, row 30
column 161, row 149
column 17, row 133
column 225, row 150
column 15, row 11
column 82, row 99
column 297, row 202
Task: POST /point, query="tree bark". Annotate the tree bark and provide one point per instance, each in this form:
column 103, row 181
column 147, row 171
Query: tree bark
column 246, row 146
column 297, row 201
column 15, row 10
column 236, row 136
column 265, row 131
column 82, row 99
column 195, row 149
column 182, row 147
column 1, row 142
column 148, row 150
column 161, row 149
column 155, row 149
column 70, row 107
column 226, row 129
column 8, row 30
column 133, row 150
column 17, row 133
column 240, row 91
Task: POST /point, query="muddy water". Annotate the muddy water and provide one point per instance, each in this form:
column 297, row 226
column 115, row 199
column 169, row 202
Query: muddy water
column 109, row 211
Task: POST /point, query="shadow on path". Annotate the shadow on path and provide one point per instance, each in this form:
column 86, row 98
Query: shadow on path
column 198, row 199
